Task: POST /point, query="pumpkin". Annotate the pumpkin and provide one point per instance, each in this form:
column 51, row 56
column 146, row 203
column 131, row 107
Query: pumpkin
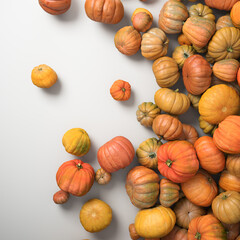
column 120, row 90
column 200, row 50
column 142, row 19
column 183, row 40
column 76, row 141
column 155, row 222
column 229, row 182
column 154, row 44
column 116, row 154
column 199, row 30
column 201, row 10
column 205, row 228
column 75, row 177
column 167, row 127
column 227, row 49
column 232, row 230
column 221, row 4
column 209, row 156
column 55, row 7
column 142, row 186
column 224, row 21
column 132, row 232
column 227, row 135
column 226, row 207
column 105, row 11
column 185, row 211
column 213, row 106
column 233, row 164
column 226, row 69
column 146, row 113
column 189, row 133
column 200, row 189
column 177, row 234
column 169, row 192
column 95, row 215
column 235, row 14
column 43, row 76
column 205, row 126
column 181, row 53
column 128, row 40
column 197, row 74
column 147, row 153
column 172, row 162
column 194, row 99
column 166, row 71
column 172, row 102
column 172, row 16
column 102, row 177
column 60, row 197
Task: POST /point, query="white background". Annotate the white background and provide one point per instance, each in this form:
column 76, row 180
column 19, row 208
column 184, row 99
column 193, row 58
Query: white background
column 33, row 120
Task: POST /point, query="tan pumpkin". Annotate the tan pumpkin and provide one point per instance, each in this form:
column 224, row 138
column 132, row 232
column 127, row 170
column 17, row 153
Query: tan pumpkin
column 154, row 44
column 232, row 230
column 177, row 234
column 194, row 99
column 221, row 4
column 172, row 102
column 189, row 133
column 166, row 71
column 206, row 126
column 183, row 40
column 201, row 10
column 233, row 164
column 229, row 182
column 224, row 21
column 235, row 14
column 102, row 177
column 209, row 58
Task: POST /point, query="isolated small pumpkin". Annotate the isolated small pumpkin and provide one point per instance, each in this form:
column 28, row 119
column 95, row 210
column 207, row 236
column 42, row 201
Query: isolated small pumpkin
column 102, row 177
column 189, row 133
column 206, row 126
column 229, row 182
column 177, row 234
column 60, row 197
column 233, row 164
column 224, row 21
column 221, row 4
column 105, row 11
column 167, row 127
column 166, row 71
column 147, row 153
column 146, row 113
column 43, row 76
column 232, row 230
column 128, row 40
column 120, row 90
column 55, row 7
column 154, row 44
column 132, row 232
column 142, row 19
column 235, row 14
column 76, row 141
column 201, row 10
column 194, row 99
column 183, row 40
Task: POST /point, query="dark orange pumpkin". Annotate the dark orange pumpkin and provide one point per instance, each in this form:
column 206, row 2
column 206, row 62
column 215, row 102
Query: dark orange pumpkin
column 229, row 182
column 55, row 7
column 189, row 133
column 60, row 197
column 177, row 234
column 120, row 90
column 221, row 4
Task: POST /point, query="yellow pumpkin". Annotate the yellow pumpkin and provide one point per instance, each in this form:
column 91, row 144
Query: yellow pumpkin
column 205, row 126
column 43, row 76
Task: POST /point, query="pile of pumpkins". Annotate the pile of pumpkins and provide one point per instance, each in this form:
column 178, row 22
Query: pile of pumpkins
column 192, row 204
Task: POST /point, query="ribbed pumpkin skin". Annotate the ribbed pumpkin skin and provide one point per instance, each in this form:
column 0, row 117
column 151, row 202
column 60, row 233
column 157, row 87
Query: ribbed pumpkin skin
column 226, row 207
column 55, row 7
column 232, row 230
column 213, row 106
column 189, row 133
column 142, row 186
column 76, row 141
column 166, row 71
column 175, row 165
column 205, row 228
column 155, row 222
column 194, row 99
column 201, row 10
column 209, row 156
column 172, row 16
column 221, row 4
column 75, row 177
column 235, row 14
column 226, row 69
column 233, row 164
column 197, row 74
column 177, row 234
column 120, row 90
column 105, row 11
column 128, row 40
column 225, row 44
column 205, row 126
column 154, row 44
column 224, row 21
column 227, row 135
column 116, row 154
column 229, row 182
column 60, row 197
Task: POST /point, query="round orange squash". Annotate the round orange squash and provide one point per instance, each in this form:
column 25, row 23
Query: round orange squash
column 183, row 40
column 120, row 90
column 229, row 182
column 235, row 14
column 201, row 10
column 221, row 4
column 224, row 21
column 189, row 133
column 55, row 7
column 233, row 164
column 177, row 234
column 60, row 197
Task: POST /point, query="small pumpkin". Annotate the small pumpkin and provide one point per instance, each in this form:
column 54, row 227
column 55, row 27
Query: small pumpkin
column 194, row 99
column 142, row 19
column 132, row 232
column 232, row 230
column 128, row 40
column 60, row 197
column 166, row 71
column 172, row 102
column 105, row 11
column 229, row 182
column 167, row 127
column 183, row 40
column 221, row 4
column 200, row 189
column 116, row 154
column 154, row 44
column 201, row 10
column 102, row 177
column 233, row 164
column 146, row 113
column 200, row 50
column 189, row 133
column 235, row 14
column 172, row 163
column 147, row 153
column 177, row 234
column 76, row 141
column 142, row 186
column 120, row 90
column 224, row 21
column 95, row 215
column 55, row 7
column 226, row 207
column 205, row 126
column 43, row 76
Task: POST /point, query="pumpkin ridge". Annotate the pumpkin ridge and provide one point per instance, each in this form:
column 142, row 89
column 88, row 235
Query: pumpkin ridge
column 125, row 146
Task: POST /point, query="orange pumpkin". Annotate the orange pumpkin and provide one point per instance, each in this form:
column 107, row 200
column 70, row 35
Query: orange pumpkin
column 221, row 4
column 120, row 90
column 233, row 164
column 229, row 182
column 142, row 19
column 55, row 7
column 102, row 177
column 60, row 197
column 177, row 234
column 189, row 133
column 235, row 14
column 201, row 10
column 183, row 40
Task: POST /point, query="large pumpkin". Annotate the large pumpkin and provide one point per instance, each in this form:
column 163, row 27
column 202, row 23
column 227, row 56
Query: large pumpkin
column 115, row 154
column 55, row 7
column 227, row 135
column 201, row 10
column 105, row 11
column 175, row 165
column 200, row 189
column 75, row 177
column 214, row 108
column 189, row 133
column 155, row 222
column 142, row 186
column 233, row 164
column 229, row 182
column 197, row 74
column 224, row 21
column 177, row 234
column 221, row 4
column 235, row 14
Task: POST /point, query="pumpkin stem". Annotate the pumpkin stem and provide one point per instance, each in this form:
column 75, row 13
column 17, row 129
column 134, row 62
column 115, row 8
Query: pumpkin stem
column 169, row 163
column 79, row 166
column 209, row 180
column 198, row 235
column 123, row 89
column 152, row 155
column 177, row 90
column 185, row 55
column 224, row 197
column 230, row 49
column 40, row 69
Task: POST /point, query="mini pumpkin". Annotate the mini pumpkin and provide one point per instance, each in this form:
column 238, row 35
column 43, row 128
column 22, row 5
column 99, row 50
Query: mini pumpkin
column 177, row 234
column 224, row 21
column 183, row 40
column 142, row 19
column 189, row 133
column 120, row 90
column 132, row 232
column 55, row 7
column 102, row 177
column 229, row 182
column 233, row 164
column 206, row 126
column 60, row 197
column 201, row 10
column 194, row 99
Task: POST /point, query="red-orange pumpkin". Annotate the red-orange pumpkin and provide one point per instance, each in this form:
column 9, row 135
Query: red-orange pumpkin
column 120, row 90
column 221, row 4
column 55, row 7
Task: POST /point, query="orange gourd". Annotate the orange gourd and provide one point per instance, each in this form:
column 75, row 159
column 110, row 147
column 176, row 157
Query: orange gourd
column 229, row 182
column 183, row 40
column 60, row 197
column 102, row 177
column 55, row 7
column 189, row 133
column 120, row 90
column 232, row 230
column 235, row 14
column 142, row 19
column 221, row 4
column 233, row 164
column 238, row 77
column 201, row 10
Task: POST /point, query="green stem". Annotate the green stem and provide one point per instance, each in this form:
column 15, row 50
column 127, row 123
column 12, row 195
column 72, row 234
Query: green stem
column 230, row 49
column 79, row 166
column 198, row 235
column 123, row 89
column 177, row 90
column 224, row 197
column 39, row 69
column 152, row 155
column 169, row 163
